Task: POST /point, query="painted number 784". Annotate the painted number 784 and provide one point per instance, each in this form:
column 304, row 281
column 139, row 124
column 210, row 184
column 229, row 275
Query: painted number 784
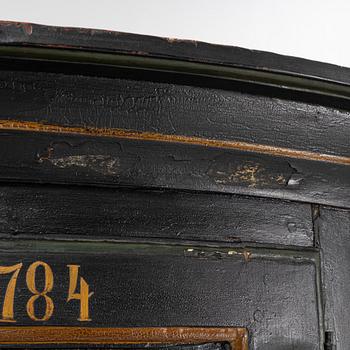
column 8, row 305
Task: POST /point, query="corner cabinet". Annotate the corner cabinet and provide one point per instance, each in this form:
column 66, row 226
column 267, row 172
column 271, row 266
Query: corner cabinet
column 170, row 195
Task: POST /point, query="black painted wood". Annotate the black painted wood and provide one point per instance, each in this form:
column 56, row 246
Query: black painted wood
column 83, row 101
column 71, row 159
column 273, row 293
column 56, row 212
column 213, row 113
column 168, row 192
column 334, row 231
column 29, row 34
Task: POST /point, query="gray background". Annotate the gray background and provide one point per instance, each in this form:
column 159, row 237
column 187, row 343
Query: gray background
column 314, row 29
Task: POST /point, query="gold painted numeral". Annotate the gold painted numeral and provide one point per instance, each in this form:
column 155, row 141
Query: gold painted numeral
column 8, row 306
column 84, row 294
column 30, row 278
column 7, row 309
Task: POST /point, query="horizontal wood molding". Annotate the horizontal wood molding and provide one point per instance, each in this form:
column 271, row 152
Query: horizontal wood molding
column 237, row 337
column 66, row 158
column 150, row 136
column 146, row 46
column 56, row 212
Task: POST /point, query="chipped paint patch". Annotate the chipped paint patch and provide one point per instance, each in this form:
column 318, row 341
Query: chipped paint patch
column 251, row 174
column 217, row 254
column 176, row 40
column 248, row 174
column 246, row 255
column 98, row 163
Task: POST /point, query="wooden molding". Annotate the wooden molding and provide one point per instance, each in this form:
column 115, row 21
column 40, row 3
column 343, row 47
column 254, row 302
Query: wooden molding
column 150, row 136
column 236, row 337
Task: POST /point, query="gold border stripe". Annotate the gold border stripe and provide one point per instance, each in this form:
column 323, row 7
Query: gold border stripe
column 150, row 136
column 237, row 337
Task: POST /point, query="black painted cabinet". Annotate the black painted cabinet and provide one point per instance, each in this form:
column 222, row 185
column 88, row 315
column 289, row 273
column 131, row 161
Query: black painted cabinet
column 170, row 195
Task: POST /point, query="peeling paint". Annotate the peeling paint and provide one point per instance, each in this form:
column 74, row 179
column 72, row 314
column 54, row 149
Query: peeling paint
column 248, row 174
column 246, row 255
column 176, row 40
column 99, row 163
column 292, row 181
column 251, row 174
column 216, row 254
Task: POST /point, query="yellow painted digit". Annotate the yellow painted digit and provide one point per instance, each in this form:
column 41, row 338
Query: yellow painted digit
column 30, row 278
column 7, row 309
column 84, row 294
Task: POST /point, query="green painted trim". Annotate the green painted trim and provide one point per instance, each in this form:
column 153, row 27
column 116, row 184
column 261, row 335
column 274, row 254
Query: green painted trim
column 293, row 82
column 189, row 251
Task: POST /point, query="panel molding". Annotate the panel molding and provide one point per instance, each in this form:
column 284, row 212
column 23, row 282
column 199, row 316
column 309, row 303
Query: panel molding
column 236, row 337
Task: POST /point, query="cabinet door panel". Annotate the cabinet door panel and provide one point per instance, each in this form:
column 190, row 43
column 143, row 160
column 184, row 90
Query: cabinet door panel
column 271, row 293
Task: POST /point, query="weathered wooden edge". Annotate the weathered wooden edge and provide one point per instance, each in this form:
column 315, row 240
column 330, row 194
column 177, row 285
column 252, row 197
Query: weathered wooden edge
column 151, row 64
column 29, row 34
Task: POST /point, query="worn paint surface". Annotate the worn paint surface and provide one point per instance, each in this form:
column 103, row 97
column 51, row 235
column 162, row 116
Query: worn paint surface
column 172, row 158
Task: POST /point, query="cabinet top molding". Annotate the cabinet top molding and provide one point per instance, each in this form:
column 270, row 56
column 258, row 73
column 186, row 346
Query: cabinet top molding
column 196, row 116
column 94, row 40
